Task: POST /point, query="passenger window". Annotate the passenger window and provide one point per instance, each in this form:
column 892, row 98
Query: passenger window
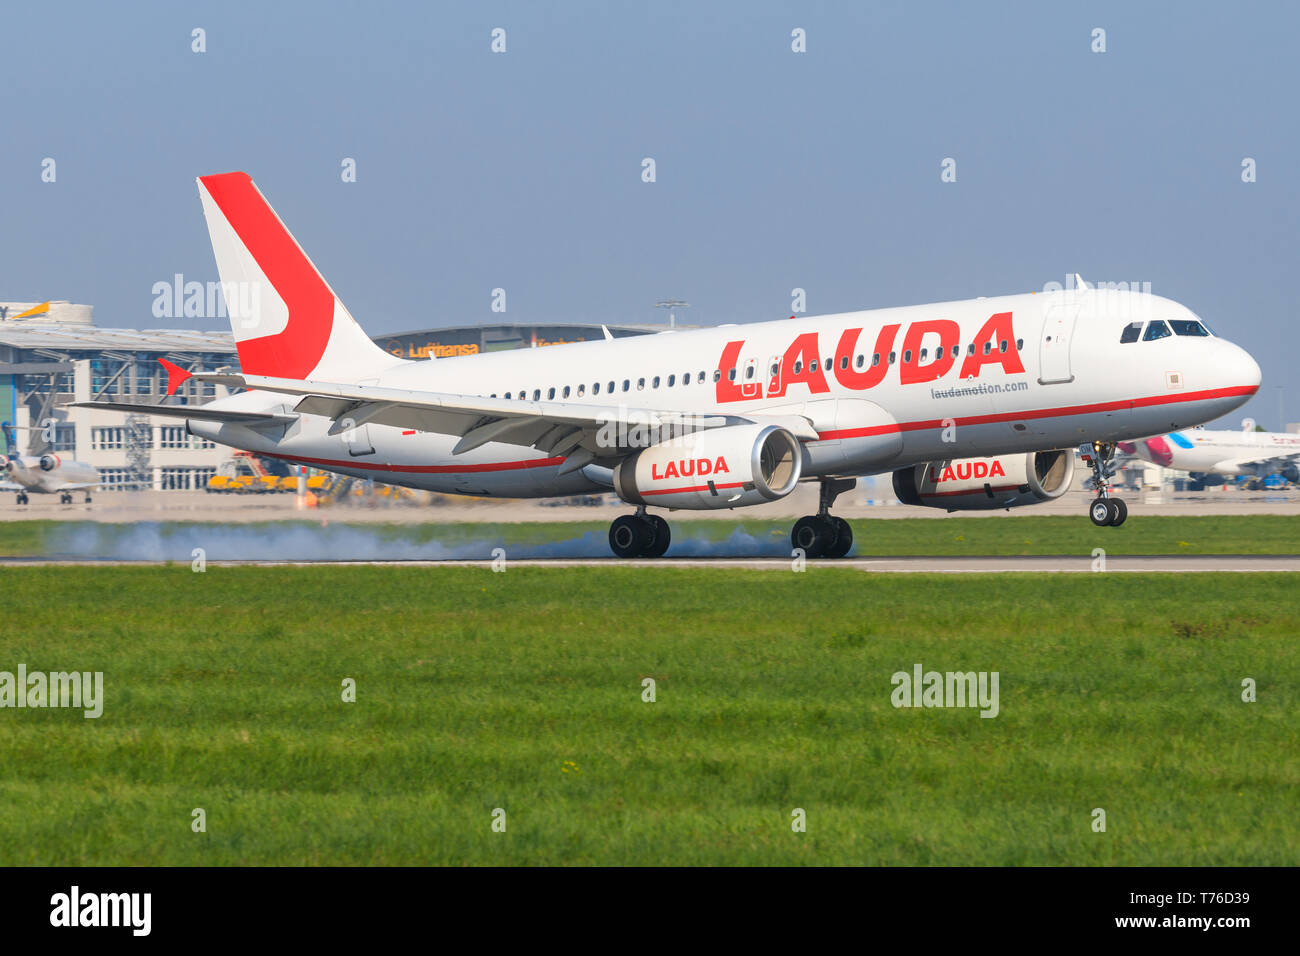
column 970, row 349
column 595, row 388
column 640, row 384
column 655, row 382
column 926, row 352
column 1002, row 346
column 749, row 371
column 891, row 357
column 566, row 391
column 717, row 375
column 875, row 359
column 1187, row 327
column 507, row 396
column 731, row 375
column 672, row 380
column 829, row 363
column 907, row 357
column 550, row 393
column 1131, row 333
column 812, row 366
column 988, row 347
column 1156, row 330
column 798, row 367
column 582, row 390
column 627, row 383
column 1020, row 344
column 775, row 369
column 862, row 360
column 537, row 394
column 611, row 388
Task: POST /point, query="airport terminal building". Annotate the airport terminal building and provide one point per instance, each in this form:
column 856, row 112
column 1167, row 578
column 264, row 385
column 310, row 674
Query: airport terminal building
column 52, row 354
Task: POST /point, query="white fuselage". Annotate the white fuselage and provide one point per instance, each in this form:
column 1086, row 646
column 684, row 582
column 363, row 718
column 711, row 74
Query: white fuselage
column 1032, row 372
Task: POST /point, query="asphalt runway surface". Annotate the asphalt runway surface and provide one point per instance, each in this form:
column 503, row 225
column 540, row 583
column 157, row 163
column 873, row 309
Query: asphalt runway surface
column 965, row 564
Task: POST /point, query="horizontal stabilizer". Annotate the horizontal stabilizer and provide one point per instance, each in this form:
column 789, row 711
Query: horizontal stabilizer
column 192, row 411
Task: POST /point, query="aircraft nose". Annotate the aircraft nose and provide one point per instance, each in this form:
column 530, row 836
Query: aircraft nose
column 1236, row 369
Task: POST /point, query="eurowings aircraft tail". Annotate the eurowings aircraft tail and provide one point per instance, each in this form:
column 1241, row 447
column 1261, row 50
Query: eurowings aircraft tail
column 286, row 319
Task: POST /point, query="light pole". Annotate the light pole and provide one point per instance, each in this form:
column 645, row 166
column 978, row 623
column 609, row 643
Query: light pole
column 671, row 305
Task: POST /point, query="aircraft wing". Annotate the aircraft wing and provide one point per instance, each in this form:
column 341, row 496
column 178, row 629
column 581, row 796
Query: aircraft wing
column 10, row 486
column 557, row 428
column 192, row 411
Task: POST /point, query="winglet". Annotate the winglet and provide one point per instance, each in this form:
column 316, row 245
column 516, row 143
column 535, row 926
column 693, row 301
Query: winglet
column 176, row 376
column 608, row 336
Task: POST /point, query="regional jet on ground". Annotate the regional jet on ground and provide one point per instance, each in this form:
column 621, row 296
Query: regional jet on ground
column 971, row 404
column 1203, row 451
column 48, row 474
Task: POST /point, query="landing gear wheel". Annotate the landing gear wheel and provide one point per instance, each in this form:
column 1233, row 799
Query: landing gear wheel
column 1120, row 512
column 22, row 499
column 87, row 499
column 661, row 536
column 1100, row 512
column 815, row 534
column 65, row 498
column 843, row 539
column 630, row 536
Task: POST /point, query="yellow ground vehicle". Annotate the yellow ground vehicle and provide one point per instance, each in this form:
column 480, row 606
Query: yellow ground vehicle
column 245, row 473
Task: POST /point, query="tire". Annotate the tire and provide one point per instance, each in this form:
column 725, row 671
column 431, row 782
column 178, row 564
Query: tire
column 843, row 539
column 660, row 535
column 629, row 536
column 1120, row 512
column 813, row 535
column 1100, row 513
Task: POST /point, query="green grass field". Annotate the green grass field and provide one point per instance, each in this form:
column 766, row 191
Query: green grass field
column 1003, row 535
column 523, row 691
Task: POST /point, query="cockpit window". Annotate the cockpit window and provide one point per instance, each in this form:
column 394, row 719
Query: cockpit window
column 1131, row 333
column 1188, row 327
column 1156, row 330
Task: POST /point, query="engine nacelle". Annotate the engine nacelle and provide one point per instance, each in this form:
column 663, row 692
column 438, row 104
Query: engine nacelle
column 728, row 467
column 49, row 462
column 976, row 484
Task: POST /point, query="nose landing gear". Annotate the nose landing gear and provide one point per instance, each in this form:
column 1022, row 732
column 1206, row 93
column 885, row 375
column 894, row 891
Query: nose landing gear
column 1104, row 510
column 823, row 535
column 639, row 535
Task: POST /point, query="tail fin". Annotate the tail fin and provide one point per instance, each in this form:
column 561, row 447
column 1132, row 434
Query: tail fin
column 11, row 446
column 287, row 321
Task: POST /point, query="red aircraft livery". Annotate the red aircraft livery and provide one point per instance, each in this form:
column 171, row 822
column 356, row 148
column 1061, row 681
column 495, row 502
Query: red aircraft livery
column 801, row 363
column 690, row 467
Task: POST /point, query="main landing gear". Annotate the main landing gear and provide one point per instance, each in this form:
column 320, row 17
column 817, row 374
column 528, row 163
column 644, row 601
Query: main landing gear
column 823, row 535
column 22, row 497
column 65, row 498
column 1104, row 509
column 639, row 536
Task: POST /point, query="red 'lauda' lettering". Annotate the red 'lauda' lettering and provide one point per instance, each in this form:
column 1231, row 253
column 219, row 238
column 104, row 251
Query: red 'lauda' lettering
column 996, row 330
column 949, row 332
column 872, row 375
column 689, row 467
column 804, row 350
column 966, row 470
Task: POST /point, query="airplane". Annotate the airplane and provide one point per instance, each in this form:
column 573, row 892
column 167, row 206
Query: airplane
column 971, row 404
column 1204, row 451
column 48, row 474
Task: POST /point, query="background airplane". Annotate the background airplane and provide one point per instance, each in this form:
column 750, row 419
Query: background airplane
column 1203, row 451
column 48, row 474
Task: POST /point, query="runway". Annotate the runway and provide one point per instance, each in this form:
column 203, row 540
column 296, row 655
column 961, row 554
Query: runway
column 927, row 564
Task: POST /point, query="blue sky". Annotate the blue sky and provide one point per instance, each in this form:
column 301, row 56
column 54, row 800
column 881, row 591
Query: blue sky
column 775, row 170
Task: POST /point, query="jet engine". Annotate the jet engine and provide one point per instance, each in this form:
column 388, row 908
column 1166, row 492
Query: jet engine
column 49, row 462
column 728, row 467
column 976, row 484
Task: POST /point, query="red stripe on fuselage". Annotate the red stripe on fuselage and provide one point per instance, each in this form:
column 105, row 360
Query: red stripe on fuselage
column 422, row 469
column 1167, row 399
